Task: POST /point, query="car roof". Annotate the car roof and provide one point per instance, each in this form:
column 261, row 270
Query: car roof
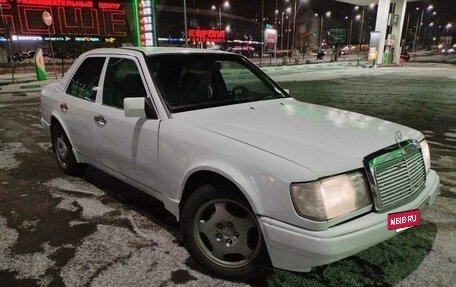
column 149, row 51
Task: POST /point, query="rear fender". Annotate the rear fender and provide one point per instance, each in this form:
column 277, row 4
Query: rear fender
column 59, row 119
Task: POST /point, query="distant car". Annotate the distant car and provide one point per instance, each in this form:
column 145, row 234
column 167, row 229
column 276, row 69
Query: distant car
column 344, row 51
column 319, row 54
column 315, row 52
column 405, row 56
column 283, row 53
column 247, row 51
column 254, row 176
column 18, row 57
column 447, row 49
column 29, row 54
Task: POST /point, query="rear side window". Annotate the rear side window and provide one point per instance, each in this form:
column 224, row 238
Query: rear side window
column 85, row 81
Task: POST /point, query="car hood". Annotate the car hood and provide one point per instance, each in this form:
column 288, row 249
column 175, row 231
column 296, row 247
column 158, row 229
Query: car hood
column 325, row 140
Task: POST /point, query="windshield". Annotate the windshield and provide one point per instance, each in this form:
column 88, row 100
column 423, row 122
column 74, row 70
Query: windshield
column 196, row 81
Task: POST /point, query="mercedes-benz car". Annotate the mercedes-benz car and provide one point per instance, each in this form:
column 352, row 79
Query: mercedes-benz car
column 255, row 177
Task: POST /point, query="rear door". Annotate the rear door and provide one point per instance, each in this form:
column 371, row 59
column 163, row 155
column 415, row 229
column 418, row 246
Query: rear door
column 128, row 146
column 78, row 108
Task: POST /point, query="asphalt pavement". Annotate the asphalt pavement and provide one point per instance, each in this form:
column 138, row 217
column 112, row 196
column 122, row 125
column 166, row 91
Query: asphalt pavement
column 93, row 230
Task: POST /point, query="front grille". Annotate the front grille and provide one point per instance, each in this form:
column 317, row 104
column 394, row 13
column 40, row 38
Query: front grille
column 397, row 175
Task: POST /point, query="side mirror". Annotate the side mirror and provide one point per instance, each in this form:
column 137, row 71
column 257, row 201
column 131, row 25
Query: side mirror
column 135, row 107
column 287, row 91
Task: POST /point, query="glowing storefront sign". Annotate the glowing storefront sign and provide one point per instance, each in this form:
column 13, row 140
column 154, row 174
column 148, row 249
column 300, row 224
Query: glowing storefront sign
column 26, row 38
column 70, row 18
column 202, row 35
column 146, row 24
column 70, row 3
column 87, row 39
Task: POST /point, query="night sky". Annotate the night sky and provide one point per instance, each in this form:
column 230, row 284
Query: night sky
column 446, row 9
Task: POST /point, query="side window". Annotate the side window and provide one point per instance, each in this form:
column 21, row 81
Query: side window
column 122, row 80
column 85, row 81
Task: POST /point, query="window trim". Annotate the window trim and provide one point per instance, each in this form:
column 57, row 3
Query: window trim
column 135, row 59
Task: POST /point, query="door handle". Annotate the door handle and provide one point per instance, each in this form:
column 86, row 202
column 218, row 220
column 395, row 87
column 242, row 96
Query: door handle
column 63, row 107
column 100, row 120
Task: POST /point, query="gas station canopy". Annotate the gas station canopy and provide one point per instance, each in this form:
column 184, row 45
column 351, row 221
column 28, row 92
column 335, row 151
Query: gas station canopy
column 382, row 22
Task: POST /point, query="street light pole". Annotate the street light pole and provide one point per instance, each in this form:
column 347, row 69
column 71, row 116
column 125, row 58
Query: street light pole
column 8, row 38
column 421, row 23
column 288, row 36
column 350, row 34
column 321, row 32
column 294, row 26
column 406, row 31
column 361, row 32
column 262, row 31
column 220, row 18
column 276, row 12
column 281, row 33
column 185, row 23
column 416, row 32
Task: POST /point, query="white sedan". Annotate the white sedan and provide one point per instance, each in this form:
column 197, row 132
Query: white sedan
column 255, row 177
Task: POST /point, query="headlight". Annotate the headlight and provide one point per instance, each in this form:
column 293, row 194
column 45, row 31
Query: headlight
column 426, row 155
column 331, row 197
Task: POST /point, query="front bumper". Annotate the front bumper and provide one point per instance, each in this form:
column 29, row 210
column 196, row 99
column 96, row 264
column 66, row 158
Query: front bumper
column 298, row 249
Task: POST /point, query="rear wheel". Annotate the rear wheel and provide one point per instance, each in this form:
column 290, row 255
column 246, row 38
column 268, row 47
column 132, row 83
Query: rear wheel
column 63, row 152
column 222, row 233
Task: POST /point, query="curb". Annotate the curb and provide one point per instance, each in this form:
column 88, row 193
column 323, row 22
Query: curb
column 25, row 87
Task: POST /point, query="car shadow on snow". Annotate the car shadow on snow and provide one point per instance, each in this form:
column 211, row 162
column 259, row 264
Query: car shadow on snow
column 131, row 198
column 385, row 264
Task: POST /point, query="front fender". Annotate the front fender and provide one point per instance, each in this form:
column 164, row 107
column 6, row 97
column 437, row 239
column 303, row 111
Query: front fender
column 248, row 188
column 263, row 178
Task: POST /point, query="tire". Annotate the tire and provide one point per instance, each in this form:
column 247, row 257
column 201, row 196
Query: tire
column 63, row 152
column 222, row 233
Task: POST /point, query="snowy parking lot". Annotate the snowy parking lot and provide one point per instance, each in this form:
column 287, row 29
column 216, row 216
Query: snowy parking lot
column 93, row 230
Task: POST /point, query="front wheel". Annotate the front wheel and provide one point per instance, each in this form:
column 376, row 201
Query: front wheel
column 222, row 234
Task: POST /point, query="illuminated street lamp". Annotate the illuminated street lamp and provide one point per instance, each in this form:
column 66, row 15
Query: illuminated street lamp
column 288, row 11
column 361, row 18
column 327, row 15
column 430, row 25
column 225, row 5
column 420, row 24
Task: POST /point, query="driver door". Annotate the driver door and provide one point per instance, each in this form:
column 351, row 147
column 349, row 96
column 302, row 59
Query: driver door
column 126, row 145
